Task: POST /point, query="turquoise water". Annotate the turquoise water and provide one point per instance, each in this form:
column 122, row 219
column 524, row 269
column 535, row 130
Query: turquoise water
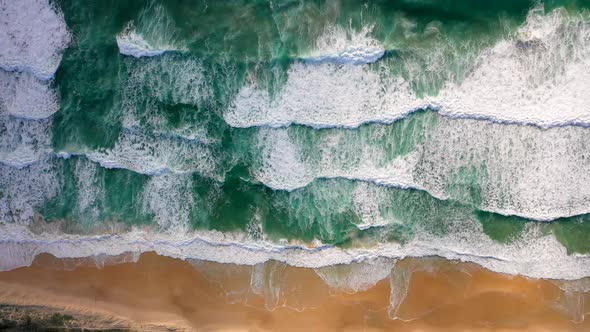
column 342, row 122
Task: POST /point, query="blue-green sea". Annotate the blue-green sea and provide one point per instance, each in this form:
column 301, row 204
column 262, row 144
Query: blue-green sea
column 310, row 132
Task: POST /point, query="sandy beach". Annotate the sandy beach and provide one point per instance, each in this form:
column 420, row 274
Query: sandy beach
column 160, row 293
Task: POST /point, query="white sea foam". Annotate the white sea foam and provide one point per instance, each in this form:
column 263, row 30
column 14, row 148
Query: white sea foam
column 281, row 166
column 338, row 46
column 368, row 202
column 325, row 95
column 539, row 76
column 167, row 80
column 153, row 154
column 284, row 167
column 132, row 43
column 538, row 255
column 26, row 189
column 507, row 169
column 153, row 35
column 88, row 187
column 169, row 198
column 33, row 36
column 512, row 168
column 25, row 96
column 23, row 142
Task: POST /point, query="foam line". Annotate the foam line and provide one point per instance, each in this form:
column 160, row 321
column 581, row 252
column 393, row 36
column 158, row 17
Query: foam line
column 536, row 257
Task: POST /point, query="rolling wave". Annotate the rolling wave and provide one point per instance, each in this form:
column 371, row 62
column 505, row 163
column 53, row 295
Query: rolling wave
column 153, row 155
column 338, row 46
column 153, row 35
column 507, row 169
column 133, row 44
column 537, row 76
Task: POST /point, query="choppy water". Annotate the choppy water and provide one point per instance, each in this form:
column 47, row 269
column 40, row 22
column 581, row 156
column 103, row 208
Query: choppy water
column 313, row 133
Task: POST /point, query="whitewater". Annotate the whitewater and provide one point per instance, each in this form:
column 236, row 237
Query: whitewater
column 537, row 76
column 181, row 135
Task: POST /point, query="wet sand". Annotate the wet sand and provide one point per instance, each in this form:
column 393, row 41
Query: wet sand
column 158, row 293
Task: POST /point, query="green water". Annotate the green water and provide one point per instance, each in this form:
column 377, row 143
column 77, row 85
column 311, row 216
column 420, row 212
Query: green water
column 231, row 39
column 206, row 175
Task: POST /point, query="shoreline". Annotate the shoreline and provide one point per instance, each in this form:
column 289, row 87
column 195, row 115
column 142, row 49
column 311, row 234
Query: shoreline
column 159, row 293
column 543, row 257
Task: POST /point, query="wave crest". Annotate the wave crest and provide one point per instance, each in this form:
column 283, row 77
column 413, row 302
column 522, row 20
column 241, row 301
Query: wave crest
column 538, row 75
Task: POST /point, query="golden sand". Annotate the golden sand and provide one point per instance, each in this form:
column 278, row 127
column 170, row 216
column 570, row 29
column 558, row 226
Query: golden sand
column 158, row 292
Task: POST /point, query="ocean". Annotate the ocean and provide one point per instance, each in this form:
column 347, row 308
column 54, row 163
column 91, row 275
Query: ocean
column 313, row 134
